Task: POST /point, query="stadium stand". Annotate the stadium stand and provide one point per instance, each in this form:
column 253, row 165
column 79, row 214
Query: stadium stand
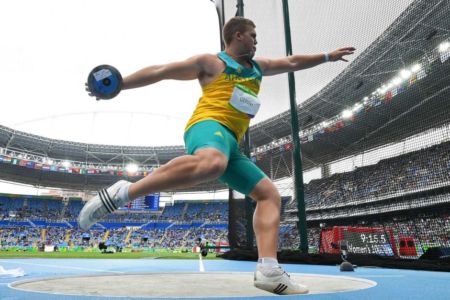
column 396, row 185
column 41, row 222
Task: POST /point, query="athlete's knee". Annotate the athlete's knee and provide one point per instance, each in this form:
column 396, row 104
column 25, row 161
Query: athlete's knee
column 265, row 190
column 212, row 163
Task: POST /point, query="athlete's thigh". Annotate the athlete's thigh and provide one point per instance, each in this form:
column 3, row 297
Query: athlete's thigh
column 242, row 174
column 207, row 134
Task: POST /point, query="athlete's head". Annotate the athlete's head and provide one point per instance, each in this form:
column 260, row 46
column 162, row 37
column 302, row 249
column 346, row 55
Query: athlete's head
column 242, row 31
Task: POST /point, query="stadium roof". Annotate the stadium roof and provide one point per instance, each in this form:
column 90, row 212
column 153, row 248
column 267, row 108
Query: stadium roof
column 414, row 34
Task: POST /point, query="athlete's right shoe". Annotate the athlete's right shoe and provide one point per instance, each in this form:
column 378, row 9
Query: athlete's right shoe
column 105, row 202
column 278, row 282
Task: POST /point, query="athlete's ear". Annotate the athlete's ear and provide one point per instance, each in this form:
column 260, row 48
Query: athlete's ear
column 238, row 35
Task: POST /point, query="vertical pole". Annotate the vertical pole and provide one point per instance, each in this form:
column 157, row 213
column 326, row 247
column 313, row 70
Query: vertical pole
column 248, row 201
column 232, row 212
column 232, row 222
column 240, row 8
column 298, row 175
column 221, row 16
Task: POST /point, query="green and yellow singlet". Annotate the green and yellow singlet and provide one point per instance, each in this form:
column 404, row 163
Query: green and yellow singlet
column 214, row 104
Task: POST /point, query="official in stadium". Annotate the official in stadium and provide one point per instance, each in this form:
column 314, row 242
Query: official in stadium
column 230, row 81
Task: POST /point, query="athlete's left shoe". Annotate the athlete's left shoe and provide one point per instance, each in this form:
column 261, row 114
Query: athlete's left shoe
column 105, row 202
column 278, row 282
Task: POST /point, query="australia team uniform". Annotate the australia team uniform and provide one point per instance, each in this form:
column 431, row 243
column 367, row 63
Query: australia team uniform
column 221, row 118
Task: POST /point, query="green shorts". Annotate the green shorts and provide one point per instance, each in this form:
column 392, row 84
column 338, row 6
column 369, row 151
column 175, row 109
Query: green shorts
column 241, row 173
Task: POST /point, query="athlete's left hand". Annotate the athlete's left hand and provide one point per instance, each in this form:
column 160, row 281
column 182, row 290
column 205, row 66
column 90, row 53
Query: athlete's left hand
column 339, row 54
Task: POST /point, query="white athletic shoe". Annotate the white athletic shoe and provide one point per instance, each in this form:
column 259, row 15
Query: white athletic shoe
column 105, row 202
column 279, row 282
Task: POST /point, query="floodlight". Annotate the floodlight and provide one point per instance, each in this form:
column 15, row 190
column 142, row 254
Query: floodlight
column 397, row 81
column 444, row 46
column 357, row 107
column 405, row 74
column 347, row 114
column 131, row 168
column 416, row 68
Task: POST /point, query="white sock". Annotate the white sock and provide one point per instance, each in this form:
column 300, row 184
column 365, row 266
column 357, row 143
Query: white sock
column 267, row 261
column 123, row 193
column 268, row 266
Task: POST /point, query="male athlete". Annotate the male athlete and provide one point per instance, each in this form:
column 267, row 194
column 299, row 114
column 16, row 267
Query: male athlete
column 230, row 81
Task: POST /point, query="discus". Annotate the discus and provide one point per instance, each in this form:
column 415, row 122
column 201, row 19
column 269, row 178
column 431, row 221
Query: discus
column 104, row 82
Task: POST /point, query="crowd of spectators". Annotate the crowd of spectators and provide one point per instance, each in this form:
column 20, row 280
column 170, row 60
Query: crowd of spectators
column 377, row 208
column 426, row 229
column 21, row 236
column 425, row 169
column 17, row 209
column 177, row 226
column 290, row 239
column 28, row 222
column 170, row 239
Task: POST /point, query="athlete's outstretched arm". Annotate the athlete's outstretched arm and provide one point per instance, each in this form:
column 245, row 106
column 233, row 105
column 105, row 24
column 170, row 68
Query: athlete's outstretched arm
column 299, row 62
column 188, row 69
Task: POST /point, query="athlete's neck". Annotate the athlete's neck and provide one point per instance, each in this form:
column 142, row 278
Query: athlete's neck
column 242, row 59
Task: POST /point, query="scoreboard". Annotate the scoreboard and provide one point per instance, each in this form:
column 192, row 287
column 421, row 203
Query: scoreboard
column 361, row 240
column 149, row 202
column 368, row 242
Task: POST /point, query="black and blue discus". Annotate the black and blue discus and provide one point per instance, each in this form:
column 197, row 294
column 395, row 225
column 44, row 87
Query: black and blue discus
column 104, row 82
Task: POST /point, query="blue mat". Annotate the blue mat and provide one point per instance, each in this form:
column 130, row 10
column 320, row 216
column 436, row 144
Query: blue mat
column 391, row 283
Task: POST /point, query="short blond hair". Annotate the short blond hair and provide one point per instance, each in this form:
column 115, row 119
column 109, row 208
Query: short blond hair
column 236, row 24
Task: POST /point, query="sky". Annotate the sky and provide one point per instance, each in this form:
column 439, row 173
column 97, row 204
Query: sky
column 49, row 46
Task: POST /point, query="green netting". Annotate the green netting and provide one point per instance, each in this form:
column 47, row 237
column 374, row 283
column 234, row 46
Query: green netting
column 374, row 132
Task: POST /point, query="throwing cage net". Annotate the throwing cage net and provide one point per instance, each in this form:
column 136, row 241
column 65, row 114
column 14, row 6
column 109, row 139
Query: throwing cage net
column 374, row 133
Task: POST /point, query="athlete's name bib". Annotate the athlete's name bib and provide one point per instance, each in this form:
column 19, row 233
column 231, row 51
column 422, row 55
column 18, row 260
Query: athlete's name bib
column 245, row 100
